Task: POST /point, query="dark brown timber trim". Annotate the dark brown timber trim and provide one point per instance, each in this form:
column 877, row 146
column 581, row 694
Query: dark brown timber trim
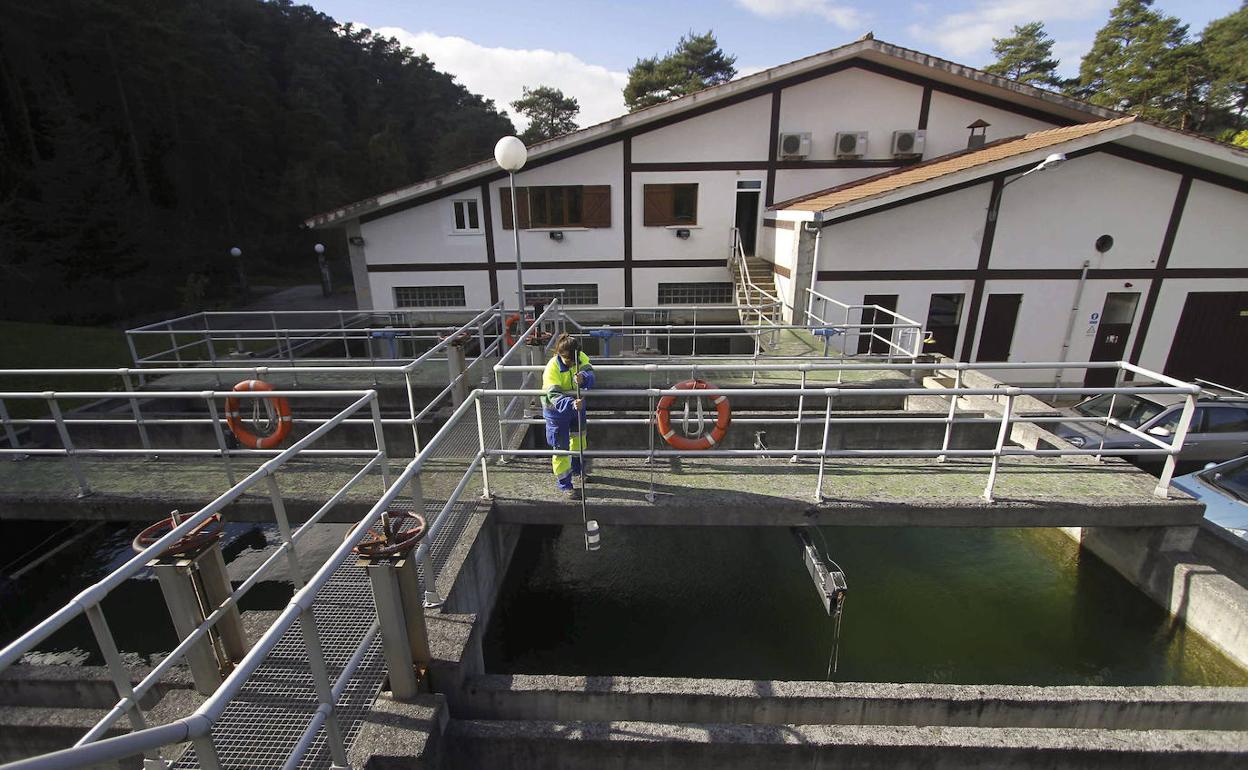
column 985, row 254
column 488, row 222
column 780, row 224
column 925, row 107
column 773, row 145
column 628, row 221
column 1156, row 161
column 780, row 270
column 590, row 264
column 1159, row 271
column 1030, row 274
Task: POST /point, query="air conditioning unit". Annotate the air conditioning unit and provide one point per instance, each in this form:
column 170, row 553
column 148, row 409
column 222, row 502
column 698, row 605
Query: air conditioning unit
column 795, row 145
column 851, row 144
column 909, row 143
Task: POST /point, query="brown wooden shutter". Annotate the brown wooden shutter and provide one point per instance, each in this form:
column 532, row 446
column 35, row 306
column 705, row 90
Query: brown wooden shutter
column 596, row 205
column 522, row 202
column 656, row 210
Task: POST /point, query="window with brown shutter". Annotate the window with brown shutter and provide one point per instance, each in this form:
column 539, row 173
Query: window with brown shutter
column 666, row 205
column 558, row 206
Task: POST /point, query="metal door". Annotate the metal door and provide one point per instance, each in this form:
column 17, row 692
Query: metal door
column 1112, row 332
column 944, row 321
column 997, row 335
column 867, row 342
column 1211, row 338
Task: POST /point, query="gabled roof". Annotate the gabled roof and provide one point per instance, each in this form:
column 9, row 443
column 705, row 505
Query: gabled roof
column 1222, row 162
column 905, row 61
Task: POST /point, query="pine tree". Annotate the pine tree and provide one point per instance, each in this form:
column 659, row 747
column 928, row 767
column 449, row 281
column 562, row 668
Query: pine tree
column 1225, row 44
column 1026, row 56
column 550, row 113
column 698, row 62
column 1141, row 62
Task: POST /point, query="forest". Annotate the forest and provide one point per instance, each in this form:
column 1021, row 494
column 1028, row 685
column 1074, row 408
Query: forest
column 141, row 140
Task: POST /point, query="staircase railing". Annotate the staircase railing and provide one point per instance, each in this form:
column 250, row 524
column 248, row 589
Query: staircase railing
column 760, row 304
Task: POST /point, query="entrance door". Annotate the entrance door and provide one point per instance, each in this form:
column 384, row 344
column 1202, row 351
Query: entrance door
column 998, row 331
column 748, row 195
column 1111, row 336
column 1211, row 339
column 944, row 320
column 867, row 342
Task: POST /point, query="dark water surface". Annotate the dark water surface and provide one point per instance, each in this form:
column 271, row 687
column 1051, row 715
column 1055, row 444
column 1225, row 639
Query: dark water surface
column 971, row 606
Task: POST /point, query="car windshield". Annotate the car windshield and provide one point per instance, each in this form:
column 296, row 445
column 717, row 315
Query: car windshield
column 1231, row 478
column 1131, row 410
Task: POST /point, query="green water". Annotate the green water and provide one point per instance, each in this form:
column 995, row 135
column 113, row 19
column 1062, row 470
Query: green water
column 970, row 606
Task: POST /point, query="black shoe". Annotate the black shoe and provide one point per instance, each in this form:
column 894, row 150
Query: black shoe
column 571, row 494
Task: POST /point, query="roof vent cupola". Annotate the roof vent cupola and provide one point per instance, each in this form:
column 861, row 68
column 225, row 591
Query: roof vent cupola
column 979, row 134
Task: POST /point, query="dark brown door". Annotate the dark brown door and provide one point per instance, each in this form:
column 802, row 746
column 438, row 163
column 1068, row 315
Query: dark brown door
column 944, row 320
column 1211, row 339
column 747, row 220
column 998, row 332
column 1112, row 332
column 867, row 342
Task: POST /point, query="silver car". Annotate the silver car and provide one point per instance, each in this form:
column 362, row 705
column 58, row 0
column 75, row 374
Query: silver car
column 1219, row 429
column 1224, row 491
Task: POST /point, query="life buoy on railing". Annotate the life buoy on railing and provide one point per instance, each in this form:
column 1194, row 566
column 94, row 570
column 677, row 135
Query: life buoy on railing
column 394, row 539
column 207, row 533
column 723, row 418
column 509, row 329
column 233, row 417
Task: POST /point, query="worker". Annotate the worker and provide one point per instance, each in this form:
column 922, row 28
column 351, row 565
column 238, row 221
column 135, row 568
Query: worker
column 568, row 373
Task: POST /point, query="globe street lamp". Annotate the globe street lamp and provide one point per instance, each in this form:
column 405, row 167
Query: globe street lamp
column 510, row 154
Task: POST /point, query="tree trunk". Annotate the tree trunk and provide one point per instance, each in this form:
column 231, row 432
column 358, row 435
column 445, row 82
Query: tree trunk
column 136, row 158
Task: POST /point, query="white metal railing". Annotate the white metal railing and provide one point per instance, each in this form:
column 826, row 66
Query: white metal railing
column 760, row 304
column 905, row 335
column 197, row 727
column 148, row 740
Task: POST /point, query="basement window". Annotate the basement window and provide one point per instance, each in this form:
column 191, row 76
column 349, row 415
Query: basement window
column 669, row 205
column 467, row 218
column 572, row 294
column 710, row 293
column 429, row 296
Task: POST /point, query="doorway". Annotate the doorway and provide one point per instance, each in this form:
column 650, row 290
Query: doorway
column 944, row 321
column 867, row 342
column 997, row 336
column 1211, row 338
column 749, row 193
column 1112, row 332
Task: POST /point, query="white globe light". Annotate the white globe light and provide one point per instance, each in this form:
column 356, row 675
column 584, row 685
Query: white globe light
column 319, row 248
column 510, row 153
column 236, row 252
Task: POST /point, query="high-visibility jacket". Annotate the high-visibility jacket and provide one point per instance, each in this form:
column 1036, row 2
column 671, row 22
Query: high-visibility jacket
column 558, row 382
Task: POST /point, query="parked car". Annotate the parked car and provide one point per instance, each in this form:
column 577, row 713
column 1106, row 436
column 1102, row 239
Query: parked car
column 1224, row 491
column 1219, row 429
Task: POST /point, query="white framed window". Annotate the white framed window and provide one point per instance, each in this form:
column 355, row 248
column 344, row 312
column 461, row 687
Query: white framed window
column 705, row 293
column 467, row 216
column 429, row 296
column 570, row 294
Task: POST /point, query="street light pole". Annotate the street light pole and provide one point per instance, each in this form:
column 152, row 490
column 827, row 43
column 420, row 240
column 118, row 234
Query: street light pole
column 510, row 154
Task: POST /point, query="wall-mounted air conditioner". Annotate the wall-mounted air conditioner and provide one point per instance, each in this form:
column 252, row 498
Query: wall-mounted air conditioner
column 909, row 143
column 851, row 144
column 794, row 146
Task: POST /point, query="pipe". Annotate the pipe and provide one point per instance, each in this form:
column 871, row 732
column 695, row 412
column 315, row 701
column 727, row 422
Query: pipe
column 1070, row 322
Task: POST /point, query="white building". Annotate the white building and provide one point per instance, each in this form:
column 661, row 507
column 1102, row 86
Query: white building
column 639, row 211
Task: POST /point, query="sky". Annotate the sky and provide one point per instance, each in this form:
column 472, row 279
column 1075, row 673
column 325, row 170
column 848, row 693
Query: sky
column 585, row 47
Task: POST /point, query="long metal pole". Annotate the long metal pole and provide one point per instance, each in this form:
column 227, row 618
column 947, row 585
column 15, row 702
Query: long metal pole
column 515, row 233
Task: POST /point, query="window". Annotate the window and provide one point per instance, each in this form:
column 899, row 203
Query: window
column 429, row 296
column 668, row 205
column 1132, row 410
column 695, row 293
column 572, row 294
column 467, row 220
column 558, row 206
column 1226, row 419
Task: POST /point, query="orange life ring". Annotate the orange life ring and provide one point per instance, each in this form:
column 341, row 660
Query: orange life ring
column 723, row 418
column 508, row 328
column 233, row 417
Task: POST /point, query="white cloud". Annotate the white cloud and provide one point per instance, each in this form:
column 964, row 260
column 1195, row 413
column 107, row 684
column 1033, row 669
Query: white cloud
column 501, row 73
column 969, row 34
column 1070, row 53
column 841, row 15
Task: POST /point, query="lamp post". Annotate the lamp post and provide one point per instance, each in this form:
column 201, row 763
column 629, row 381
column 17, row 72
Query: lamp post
column 510, row 154
column 243, row 288
column 327, row 287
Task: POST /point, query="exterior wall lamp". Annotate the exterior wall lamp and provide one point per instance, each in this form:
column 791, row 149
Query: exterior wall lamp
column 356, row 240
column 556, row 235
column 682, row 234
column 1054, row 160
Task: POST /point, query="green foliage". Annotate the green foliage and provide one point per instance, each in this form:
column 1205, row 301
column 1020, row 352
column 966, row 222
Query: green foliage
column 1026, row 56
column 698, row 62
column 140, row 140
column 550, row 113
column 1225, row 44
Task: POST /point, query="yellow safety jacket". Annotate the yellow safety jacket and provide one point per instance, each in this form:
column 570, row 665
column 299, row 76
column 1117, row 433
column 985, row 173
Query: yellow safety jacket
column 558, row 382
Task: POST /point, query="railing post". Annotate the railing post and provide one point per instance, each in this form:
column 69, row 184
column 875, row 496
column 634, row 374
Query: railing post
column 650, row 496
column 411, row 412
column 694, row 351
column 823, row 452
column 1004, row 433
column 324, row 689
column 283, row 528
column 134, row 355
column 1109, row 415
column 116, row 668
column 216, row 428
column 173, row 339
column 380, row 434
column 9, row 433
column 67, row 444
column 432, row 597
column 138, row 415
column 455, row 366
column 485, row 474
column 1176, row 443
column 206, row 752
column 801, row 402
column 346, row 343
column 953, row 411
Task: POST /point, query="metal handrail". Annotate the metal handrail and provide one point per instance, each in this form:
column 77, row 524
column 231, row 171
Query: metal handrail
column 902, row 322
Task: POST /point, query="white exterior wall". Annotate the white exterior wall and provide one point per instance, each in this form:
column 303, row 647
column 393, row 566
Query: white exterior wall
column 790, row 183
column 948, row 117
column 1053, row 218
column 1170, row 303
column 738, row 132
column 389, row 240
column 785, row 255
column 1214, row 229
column 850, row 100
column 711, row 237
column 610, row 282
column 476, row 285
